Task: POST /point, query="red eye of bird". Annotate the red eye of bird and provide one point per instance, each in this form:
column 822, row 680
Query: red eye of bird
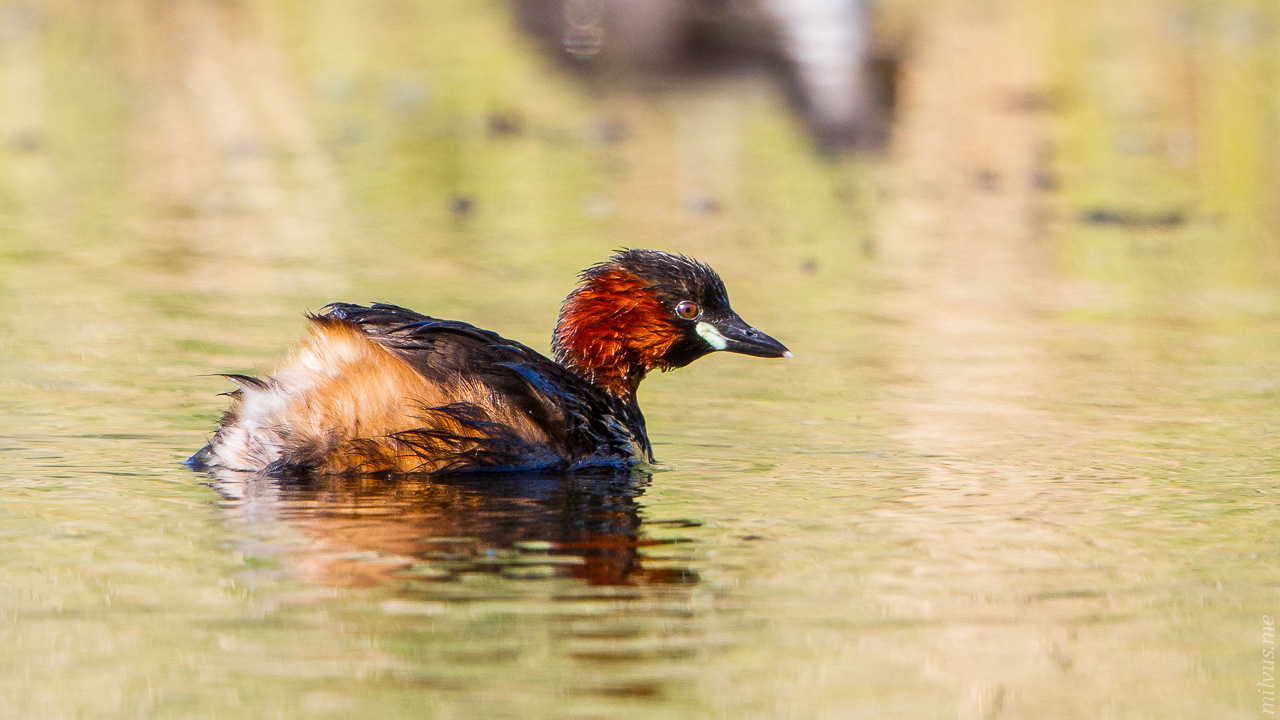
column 688, row 310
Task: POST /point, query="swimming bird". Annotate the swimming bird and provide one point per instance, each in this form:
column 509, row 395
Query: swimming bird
column 380, row 388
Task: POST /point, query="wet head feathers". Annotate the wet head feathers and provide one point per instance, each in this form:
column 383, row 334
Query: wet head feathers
column 667, row 276
column 619, row 324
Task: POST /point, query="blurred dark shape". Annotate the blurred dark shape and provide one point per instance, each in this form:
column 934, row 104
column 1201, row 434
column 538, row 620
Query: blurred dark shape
column 26, row 142
column 823, row 50
column 1131, row 218
column 809, row 266
column 502, row 124
column 699, row 204
column 869, row 247
column 607, row 132
column 1041, row 176
column 1032, row 101
column 462, row 206
column 369, row 530
column 1042, row 180
column 987, row 180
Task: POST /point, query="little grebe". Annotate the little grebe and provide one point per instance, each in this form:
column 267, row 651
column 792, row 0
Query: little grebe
column 382, row 388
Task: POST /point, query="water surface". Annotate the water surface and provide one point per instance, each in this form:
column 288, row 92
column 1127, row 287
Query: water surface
column 1023, row 465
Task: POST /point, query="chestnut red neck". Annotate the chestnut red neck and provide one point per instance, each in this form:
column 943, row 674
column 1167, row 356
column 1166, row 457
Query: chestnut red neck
column 613, row 331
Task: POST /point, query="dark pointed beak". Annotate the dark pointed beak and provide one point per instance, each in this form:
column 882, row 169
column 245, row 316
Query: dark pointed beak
column 733, row 334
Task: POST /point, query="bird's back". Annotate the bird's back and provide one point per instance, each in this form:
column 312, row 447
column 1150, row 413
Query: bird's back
column 382, row 388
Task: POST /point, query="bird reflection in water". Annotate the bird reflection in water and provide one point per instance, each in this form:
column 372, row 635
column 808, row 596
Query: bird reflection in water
column 372, row 530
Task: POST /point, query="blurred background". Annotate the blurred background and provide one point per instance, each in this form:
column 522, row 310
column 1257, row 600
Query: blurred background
column 1023, row 465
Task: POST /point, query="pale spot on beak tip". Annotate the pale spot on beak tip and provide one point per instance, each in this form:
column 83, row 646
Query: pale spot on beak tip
column 787, row 354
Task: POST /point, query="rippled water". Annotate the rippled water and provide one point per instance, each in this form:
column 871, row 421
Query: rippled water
column 1023, row 465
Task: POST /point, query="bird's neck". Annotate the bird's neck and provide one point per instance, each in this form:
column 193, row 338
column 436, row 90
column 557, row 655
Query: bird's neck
column 613, row 332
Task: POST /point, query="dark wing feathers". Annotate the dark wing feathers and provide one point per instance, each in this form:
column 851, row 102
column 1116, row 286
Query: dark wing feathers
column 491, row 448
column 580, row 420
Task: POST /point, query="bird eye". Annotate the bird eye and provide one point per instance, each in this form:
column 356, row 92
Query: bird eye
column 688, row 310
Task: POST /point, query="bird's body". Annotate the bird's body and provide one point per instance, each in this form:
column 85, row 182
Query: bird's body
column 385, row 389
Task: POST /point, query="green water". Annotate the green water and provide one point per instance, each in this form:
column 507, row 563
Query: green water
column 1023, row 465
